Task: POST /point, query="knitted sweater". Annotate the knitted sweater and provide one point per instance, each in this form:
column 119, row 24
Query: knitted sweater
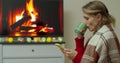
column 103, row 47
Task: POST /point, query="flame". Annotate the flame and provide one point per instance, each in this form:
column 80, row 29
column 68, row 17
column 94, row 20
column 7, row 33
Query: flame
column 17, row 34
column 18, row 17
column 44, row 29
column 31, row 10
column 32, row 30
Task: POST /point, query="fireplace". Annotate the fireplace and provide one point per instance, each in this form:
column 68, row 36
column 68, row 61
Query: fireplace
column 31, row 18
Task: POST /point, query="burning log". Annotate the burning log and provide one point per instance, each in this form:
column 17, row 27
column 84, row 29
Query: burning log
column 20, row 22
column 26, row 28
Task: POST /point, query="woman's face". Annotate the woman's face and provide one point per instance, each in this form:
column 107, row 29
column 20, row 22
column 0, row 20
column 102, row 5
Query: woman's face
column 91, row 21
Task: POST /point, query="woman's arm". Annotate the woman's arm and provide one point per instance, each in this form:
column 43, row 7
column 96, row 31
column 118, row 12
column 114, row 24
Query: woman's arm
column 79, row 49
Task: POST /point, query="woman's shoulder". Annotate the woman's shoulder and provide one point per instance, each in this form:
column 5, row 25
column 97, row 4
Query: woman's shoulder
column 106, row 32
column 97, row 38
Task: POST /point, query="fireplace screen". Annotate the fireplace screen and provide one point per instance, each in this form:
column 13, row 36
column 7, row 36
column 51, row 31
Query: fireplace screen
column 31, row 18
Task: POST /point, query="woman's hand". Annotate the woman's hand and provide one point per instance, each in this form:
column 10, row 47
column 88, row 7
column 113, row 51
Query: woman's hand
column 80, row 29
column 79, row 35
column 70, row 53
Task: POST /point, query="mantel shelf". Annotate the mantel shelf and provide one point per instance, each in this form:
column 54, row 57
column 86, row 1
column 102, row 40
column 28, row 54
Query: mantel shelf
column 33, row 43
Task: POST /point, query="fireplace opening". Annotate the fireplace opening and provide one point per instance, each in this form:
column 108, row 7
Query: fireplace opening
column 31, row 17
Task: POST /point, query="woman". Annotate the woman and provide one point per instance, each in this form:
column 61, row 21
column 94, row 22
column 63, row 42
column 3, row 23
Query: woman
column 103, row 46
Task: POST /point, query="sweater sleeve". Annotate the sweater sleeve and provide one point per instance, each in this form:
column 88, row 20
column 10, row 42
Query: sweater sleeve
column 80, row 49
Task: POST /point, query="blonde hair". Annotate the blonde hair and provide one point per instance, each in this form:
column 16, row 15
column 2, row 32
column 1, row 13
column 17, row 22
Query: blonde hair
column 95, row 7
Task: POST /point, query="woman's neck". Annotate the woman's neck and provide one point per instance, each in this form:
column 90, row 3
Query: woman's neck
column 97, row 28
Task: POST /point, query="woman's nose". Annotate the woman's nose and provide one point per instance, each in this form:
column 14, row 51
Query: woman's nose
column 85, row 22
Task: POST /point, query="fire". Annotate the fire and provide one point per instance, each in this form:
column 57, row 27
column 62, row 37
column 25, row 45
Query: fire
column 18, row 17
column 31, row 10
column 17, row 34
column 22, row 15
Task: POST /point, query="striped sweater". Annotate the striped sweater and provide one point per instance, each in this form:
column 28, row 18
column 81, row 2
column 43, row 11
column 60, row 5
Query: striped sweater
column 103, row 47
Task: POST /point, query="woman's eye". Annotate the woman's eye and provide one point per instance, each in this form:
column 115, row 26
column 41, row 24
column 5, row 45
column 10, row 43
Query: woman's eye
column 86, row 18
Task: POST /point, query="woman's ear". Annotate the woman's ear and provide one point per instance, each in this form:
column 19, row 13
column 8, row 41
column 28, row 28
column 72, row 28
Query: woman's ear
column 99, row 17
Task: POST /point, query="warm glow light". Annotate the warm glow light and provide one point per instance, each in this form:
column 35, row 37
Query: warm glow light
column 10, row 39
column 34, row 25
column 31, row 10
column 60, row 39
column 28, row 11
column 43, row 29
column 18, row 17
column 36, row 39
column 49, row 39
column 28, row 39
column 43, row 39
column 17, row 34
column 32, row 30
column 33, row 34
